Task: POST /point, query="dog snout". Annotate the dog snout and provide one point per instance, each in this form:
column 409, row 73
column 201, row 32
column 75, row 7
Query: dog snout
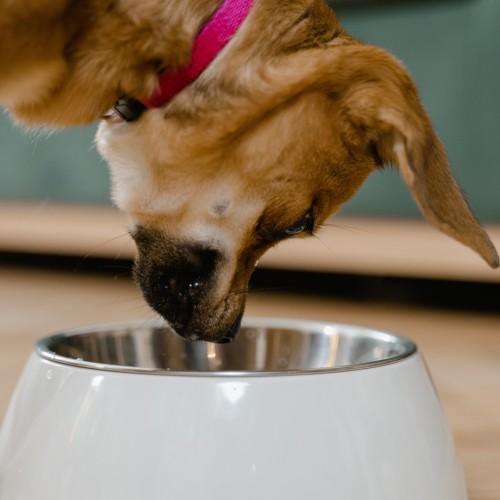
column 174, row 284
column 187, row 283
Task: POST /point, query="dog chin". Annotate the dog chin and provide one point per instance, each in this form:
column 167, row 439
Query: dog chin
column 217, row 330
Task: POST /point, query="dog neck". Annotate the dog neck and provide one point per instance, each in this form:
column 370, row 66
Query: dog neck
column 211, row 39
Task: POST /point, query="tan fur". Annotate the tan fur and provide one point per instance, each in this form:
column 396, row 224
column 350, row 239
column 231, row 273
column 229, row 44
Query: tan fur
column 106, row 48
column 291, row 117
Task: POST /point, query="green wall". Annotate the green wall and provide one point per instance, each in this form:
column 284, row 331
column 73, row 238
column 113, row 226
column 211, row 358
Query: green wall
column 452, row 48
column 62, row 166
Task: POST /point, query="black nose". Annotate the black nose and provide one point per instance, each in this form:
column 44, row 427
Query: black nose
column 175, row 283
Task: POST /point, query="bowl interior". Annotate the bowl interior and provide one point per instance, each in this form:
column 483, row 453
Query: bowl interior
column 262, row 346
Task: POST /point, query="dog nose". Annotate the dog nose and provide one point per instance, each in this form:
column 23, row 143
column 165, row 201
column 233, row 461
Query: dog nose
column 175, row 285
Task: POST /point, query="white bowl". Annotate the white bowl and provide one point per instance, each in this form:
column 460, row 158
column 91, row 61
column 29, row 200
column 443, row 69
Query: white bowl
column 289, row 410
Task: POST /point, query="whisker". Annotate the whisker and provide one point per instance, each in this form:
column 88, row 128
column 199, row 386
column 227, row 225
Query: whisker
column 332, row 224
column 139, row 302
column 121, row 276
column 324, row 243
column 353, row 229
column 238, row 292
column 255, row 290
column 124, row 267
column 121, row 250
column 90, row 253
column 269, row 289
column 252, row 290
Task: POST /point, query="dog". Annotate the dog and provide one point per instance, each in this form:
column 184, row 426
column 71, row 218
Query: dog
column 261, row 143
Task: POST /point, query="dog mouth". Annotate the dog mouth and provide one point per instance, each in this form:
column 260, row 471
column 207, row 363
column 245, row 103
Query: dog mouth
column 223, row 335
column 192, row 314
column 191, row 311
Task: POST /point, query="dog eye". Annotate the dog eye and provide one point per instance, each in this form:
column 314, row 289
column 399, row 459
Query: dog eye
column 270, row 235
column 304, row 224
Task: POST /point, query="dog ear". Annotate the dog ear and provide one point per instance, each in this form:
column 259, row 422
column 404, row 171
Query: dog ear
column 385, row 114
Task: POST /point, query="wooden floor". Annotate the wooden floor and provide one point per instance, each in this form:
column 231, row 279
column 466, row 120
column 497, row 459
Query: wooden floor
column 462, row 348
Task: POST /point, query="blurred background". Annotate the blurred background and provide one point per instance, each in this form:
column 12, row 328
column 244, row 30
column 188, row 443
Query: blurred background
column 65, row 256
column 450, row 47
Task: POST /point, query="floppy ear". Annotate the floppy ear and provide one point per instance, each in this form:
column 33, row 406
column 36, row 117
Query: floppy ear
column 379, row 115
column 388, row 113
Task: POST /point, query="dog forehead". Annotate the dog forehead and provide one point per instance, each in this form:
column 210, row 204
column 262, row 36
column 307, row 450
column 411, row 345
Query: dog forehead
column 159, row 174
column 158, row 188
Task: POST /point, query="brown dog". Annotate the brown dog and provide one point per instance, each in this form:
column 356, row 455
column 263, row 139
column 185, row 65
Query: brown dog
column 273, row 136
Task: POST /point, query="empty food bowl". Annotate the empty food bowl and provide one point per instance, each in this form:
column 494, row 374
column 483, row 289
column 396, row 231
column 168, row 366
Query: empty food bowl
column 290, row 410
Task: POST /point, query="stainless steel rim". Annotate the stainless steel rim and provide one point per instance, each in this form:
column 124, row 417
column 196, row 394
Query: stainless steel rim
column 407, row 348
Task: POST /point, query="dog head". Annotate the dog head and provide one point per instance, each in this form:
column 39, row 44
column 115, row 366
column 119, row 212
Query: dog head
column 265, row 145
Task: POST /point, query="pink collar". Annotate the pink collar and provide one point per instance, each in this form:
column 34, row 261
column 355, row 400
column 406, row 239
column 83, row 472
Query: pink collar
column 213, row 37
